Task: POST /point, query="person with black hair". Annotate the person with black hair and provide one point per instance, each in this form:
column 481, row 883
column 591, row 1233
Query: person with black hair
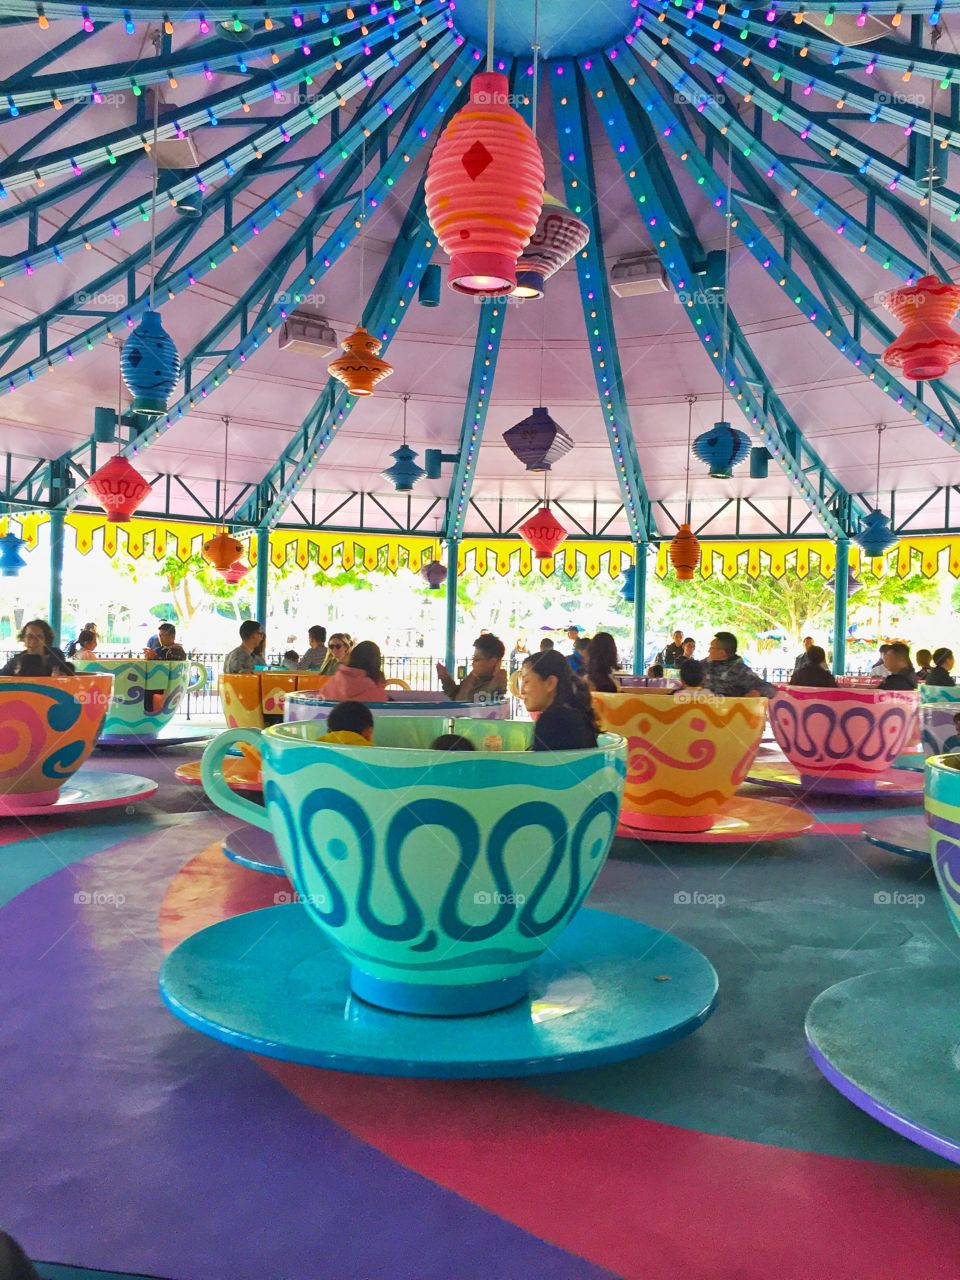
column 602, row 661
column 812, row 672
column 291, row 660
column 350, row 724
column 727, row 675
column 655, row 672
column 567, row 720
column 671, row 654
column 316, row 655
column 578, row 659
column 939, row 674
column 452, row 742
column 690, row 673
column 39, row 656
column 900, row 673
column 546, row 644
column 924, row 664
column 487, row 681
column 74, row 645
column 243, row 659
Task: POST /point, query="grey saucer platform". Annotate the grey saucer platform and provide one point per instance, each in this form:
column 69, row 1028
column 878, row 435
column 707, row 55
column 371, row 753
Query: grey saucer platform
column 174, row 735
column 888, row 1041
column 252, row 847
column 906, row 834
column 269, row 982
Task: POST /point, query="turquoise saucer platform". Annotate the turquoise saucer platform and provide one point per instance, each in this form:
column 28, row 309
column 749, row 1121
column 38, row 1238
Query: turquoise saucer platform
column 888, row 1041
column 174, row 735
column 270, row 983
column 251, row 847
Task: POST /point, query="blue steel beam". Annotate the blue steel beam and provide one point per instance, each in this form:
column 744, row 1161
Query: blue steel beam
column 877, row 168
column 631, row 139
column 490, row 321
column 410, row 142
column 813, row 306
column 581, row 195
column 314, row 171
column 207, row 113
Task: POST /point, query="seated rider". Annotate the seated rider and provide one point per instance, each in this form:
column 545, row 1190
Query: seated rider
column 487, row 681
column 452, row 742
column 350, row 724
column 39, row 657
column 566, row 719
column 727, row 675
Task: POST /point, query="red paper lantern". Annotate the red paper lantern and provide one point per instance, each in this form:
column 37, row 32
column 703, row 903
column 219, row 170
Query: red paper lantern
column 544, row 532
column 119, row 488
column 222, row 551
column 485, row 188
column 928, row 346
column 236, row 573
column 685, row 553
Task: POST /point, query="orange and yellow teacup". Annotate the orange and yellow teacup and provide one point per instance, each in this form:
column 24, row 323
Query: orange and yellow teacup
column 686, row 755
column 48, row 728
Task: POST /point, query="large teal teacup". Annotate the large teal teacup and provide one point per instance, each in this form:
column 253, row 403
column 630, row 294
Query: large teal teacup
column 146, row 693
column 440, row 875
column 941, row 787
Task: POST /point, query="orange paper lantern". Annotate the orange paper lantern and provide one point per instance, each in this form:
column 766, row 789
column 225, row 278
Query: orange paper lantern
column 119, row 488
column 928, row 346
column 222, row 551
column 685, row 553
column 485, row 188
column 360, row 368
column 543, row 532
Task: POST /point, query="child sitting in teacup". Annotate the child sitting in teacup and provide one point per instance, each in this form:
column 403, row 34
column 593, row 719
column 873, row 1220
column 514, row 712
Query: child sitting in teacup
column 350, row 724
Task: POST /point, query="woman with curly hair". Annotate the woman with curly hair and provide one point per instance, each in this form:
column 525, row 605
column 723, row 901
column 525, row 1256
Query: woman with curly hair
column 566, row 720
column 602, row 661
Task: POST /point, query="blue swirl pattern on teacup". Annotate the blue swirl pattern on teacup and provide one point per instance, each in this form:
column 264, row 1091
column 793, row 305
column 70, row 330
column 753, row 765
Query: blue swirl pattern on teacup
column 941, row 787
column 146, row 693
column 440, row 870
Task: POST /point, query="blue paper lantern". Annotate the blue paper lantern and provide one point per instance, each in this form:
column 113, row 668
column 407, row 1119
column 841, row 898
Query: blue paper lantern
column 629, row 588
column 428, row 294
column 721, row 448
column 875, row 536
column 150, row 365
column 11, row 561
column 405, row 472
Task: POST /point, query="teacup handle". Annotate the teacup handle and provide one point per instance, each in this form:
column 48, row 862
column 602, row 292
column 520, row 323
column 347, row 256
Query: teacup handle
column 211, row 773
column 198, row 681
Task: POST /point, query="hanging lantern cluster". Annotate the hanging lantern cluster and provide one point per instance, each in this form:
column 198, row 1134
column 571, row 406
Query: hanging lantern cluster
column 628, row 588
column 537, row 441
column 927, row 347
column 119, row 488
column 11, row 561
column 222, row 551
column 543, row 532
column 150, row 365
column 558, row 237
column 722, row 448
column 685, row 553
column 360, row 367
column 484, row 188
column 434, row 574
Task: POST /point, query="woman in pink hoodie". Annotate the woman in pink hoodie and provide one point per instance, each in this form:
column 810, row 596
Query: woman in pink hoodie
column 360, row 679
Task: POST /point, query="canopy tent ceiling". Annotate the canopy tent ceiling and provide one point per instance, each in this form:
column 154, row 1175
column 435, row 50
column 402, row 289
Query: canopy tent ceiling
column 651, row 98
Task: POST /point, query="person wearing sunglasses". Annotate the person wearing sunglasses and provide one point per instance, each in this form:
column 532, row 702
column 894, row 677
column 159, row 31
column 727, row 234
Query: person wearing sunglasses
column 244, row 659
column 338, row 653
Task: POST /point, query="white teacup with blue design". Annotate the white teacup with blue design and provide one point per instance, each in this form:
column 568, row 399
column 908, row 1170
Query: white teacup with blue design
column 441, row 876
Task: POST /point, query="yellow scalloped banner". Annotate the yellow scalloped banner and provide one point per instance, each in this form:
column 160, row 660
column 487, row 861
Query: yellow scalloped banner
column 502, row 556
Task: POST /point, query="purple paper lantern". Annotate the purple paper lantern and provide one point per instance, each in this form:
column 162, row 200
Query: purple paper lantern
column 538, row 441
column 434, row 574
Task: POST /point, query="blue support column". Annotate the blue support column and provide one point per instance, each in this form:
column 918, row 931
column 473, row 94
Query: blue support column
column 55, row 603
column 263, row 570
column 453, row 550
column 639, row 609
column 841, row 576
